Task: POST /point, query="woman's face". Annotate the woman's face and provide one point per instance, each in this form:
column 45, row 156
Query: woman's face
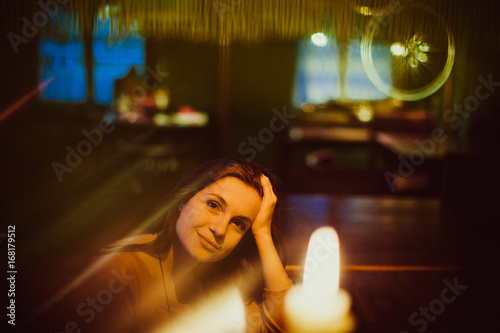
column 212, row 222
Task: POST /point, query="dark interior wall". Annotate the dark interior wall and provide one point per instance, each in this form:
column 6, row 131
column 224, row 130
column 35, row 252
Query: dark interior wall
column 19, row 77
column 192, row 71
column 482, row 128
column 261, row 81
column 471, row 168
column 19, row 71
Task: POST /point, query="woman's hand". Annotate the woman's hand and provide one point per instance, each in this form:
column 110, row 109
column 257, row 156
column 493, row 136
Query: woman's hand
column 275, row 277
column 262, row 223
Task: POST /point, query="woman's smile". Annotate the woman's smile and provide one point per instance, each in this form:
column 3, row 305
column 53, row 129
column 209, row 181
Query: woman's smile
column 209, row 245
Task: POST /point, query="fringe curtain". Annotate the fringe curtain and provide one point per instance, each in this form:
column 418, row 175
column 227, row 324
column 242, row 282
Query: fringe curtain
column 251, row 21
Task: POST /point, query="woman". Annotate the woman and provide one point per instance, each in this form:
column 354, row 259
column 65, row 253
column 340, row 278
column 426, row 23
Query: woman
column 219, row 227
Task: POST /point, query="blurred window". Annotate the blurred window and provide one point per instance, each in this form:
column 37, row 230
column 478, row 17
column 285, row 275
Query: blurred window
column 62, row 57
column 318, row 68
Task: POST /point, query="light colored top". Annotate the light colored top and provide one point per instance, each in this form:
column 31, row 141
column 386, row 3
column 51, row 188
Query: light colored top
column 127, row 294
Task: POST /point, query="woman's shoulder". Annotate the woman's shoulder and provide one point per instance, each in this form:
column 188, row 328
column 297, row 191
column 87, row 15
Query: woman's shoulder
column 133, row 240
column 117, row 268
column 115, row 256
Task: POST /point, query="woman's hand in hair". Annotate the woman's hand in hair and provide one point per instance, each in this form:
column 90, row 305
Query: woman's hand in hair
column 275, row 277
column 262, row 223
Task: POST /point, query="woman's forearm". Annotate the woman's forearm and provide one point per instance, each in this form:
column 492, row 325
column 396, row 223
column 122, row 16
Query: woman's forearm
column 275, row 277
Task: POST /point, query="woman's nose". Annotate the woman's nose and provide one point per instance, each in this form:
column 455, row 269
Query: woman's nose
column 219, row 228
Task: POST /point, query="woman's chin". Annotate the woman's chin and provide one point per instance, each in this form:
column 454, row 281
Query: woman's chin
column 206, row 256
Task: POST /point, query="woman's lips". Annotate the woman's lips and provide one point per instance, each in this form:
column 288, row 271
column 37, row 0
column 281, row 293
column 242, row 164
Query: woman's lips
column 208, row 244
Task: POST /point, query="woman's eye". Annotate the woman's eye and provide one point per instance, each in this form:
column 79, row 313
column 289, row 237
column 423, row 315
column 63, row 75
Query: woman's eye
column 212, row 204
column 240, row 225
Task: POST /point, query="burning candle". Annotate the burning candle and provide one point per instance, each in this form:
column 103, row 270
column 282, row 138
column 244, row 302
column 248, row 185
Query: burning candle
column 318, row 305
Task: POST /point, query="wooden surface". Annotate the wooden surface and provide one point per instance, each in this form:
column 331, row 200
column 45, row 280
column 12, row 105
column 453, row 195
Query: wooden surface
column 396, row 254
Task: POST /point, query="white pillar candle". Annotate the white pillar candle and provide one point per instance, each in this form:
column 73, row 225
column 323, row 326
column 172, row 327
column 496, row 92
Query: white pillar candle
column 318, row 305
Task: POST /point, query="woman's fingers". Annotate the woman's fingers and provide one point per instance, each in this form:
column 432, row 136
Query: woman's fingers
column 267, row 187
column 265, row 216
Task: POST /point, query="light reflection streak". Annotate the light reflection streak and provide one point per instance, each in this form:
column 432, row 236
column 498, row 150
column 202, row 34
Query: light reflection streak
column 16, row 105
column 58, row 233
column 95, row 266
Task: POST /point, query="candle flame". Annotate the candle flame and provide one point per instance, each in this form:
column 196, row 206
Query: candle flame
column 322, row 265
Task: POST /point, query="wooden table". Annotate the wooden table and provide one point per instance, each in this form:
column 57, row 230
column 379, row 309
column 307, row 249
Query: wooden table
column 398, row 255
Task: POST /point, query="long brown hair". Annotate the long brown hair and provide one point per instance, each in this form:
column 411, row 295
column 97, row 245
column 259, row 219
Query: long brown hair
column 245, row 255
